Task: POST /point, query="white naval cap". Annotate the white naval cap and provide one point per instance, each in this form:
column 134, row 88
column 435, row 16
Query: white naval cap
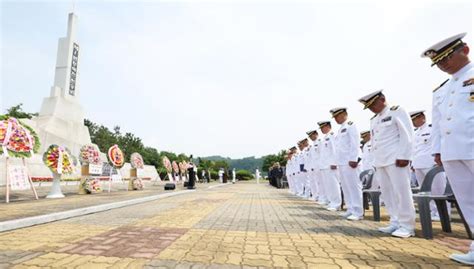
column 338, row 110
column 442, row 49
column 416, row 113
column 311, row 132
column 370, row 98
column 323, row 123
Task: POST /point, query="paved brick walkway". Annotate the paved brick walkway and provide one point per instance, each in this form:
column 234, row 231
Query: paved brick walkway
column 237, row 226
column 24, row 205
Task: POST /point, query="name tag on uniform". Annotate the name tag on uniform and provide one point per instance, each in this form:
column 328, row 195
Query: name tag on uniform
column 425, row 134
column 387, row 119
column 327, row 139
column 343, row 130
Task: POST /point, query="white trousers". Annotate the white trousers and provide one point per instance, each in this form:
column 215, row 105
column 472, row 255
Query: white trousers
column 437, row 187
column 289, row 178
column 352, row 189
column 396, row 190
column 322, row 196
column 306, row 185
column 461, row 177
column 299, row 184
column 332, row 188
column 313, row 184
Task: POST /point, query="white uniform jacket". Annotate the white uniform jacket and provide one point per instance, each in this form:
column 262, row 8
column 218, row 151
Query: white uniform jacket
column 453, row 117
column 392, row 136
column 327, row 151
column 422, row 157
column 347, row 144
column 367, row 156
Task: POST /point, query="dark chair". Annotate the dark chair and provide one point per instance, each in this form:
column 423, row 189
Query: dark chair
column 367, row 177
column 424, row 198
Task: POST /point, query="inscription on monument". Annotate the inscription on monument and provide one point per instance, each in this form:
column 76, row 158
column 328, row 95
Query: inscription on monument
column 72, row 81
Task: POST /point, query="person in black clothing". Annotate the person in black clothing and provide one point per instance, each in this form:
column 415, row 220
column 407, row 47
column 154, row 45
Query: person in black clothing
column 275, row 175
column 192, row 173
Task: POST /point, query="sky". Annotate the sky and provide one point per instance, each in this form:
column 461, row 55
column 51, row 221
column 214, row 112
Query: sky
column 230, row 78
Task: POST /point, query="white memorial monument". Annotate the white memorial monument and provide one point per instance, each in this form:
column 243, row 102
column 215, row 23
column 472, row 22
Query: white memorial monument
column 61, row 118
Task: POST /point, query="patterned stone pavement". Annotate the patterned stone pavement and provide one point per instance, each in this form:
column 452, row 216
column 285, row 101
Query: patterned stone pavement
column 24, row 205
column 237, row 226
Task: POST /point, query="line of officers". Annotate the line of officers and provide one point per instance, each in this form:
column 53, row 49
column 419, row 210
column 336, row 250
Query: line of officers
column 397, row 143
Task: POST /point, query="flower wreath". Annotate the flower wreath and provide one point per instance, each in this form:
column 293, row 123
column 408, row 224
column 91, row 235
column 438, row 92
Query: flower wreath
column 175, row 167
column 167, row 164
column 91, row 185
column 89, row 154
column 137, row 183
column 136, row 160
column 59, row 160
column 17, row 139
column 116, row 156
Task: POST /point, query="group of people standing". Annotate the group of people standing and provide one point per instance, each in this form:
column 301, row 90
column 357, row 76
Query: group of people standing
column 325, row 166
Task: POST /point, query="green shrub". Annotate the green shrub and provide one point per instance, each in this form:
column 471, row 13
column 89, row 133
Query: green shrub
column 214, row 175
column 243, row 175
column 162, row 172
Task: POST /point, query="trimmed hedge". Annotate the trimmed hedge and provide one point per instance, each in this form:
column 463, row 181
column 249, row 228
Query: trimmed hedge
column 243, row 175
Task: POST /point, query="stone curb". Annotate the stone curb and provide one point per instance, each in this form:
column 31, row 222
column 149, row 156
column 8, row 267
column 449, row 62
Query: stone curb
column 36, row 220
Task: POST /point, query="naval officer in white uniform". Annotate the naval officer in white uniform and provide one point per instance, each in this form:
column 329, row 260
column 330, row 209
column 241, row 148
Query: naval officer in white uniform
column 453, row 125
column 392, row 142
column 347, row 160
column 328, row 167
column 305, row 174
column 290, row 170
column 423, row 161
column 367, row 162
column 313, row 170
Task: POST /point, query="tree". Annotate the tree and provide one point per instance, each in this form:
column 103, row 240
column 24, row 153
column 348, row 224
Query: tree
column 17, row 112
column 104, row 138
column 170, row 155
column 269, row 160
column 152, row 156
column 129, row 143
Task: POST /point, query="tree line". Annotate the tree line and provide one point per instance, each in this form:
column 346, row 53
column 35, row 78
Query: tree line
column 104, row 138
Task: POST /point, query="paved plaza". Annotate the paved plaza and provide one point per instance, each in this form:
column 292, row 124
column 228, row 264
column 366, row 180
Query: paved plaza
column 235, row 226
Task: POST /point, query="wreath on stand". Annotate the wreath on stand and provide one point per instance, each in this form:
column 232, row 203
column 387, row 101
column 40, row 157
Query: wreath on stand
column 89, row 154
column 17, row 139
column 59, row 160
column 116, row 156
column 136, row 161
column 167, row 164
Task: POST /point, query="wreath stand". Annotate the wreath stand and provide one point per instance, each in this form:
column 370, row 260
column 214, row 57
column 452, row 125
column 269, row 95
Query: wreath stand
column 7, row 167
column 118, row 175
column 55, row 191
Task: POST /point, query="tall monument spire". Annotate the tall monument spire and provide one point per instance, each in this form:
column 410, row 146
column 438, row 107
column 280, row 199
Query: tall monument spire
column 61, row 118
column 67, row 63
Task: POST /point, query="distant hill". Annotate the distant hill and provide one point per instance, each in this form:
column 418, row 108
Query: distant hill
column 247, row 163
